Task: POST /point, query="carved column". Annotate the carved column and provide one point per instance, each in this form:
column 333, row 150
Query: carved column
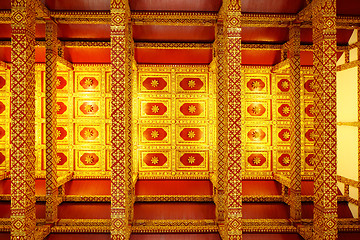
column 295, row 121
column 234, row 187
column 50, row 106
column 23, row 217
column 325, row 189
column 119, row 130
column 222, row 128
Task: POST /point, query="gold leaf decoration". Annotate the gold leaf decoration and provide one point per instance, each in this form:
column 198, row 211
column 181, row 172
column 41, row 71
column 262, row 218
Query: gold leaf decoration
column 286, row 135
column 57, row 107
column 192, row 109
column 58, row 159
column 191, row 159
column 285, row 84
column 256, row 160
column 89, row 108
column 255, row 84
column 256, row 110
column 88, row 82
column 286, row 110
column 191, row 83
column 89, row 133
column 154, row 134
column 191, row 134
column 154, row 83
column 286, row 160
column 89, row 159
column 255, row 134
column 154, row 160
column 155, row 108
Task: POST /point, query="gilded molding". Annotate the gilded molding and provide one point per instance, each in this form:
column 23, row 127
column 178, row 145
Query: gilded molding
column 84, row 222
column 80, row 229
column 61, row 180
column 170, row 45
column 175, row 229
column 174, row 198
column 174, row 223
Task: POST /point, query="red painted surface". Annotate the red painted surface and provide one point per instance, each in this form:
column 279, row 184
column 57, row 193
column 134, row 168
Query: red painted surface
column 5, row 4
column 156, row 33
column 176, row 236
column 40, row 55
column 266, row 210
column 88, row 187
column 260, row 58
column 78, row 236
column 5, row 186
column 308, row 210
column 40, row 186
column 40, row 209
column 272, row 6
column 174, row 210
column 349, row 235
column 5, row 54
column 342, row 35
column 271, row 236
column 173, row 56
column 5, row 33
column 5, row 210
column 265, row 35
column 261, row 187
column 99, row 32
column 306, row 58
column 175, row 5
column 348, row 7
column 173, row 187
column 78, row 4
column 307, row 187
column 74, row 210
column 88, row 55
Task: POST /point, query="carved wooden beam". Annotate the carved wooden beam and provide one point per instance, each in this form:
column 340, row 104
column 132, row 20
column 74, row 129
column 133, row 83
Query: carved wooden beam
column 41, row 10
column 62, row 61
column 281, row 66
column 61, row 180
column 305, row 14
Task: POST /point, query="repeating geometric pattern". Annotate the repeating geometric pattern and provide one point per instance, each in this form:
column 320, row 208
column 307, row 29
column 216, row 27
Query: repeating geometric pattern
column 234, row 186
column 23, row 120
column 119, row 128
column 325, row 183
column 295, row 121
column 50, row 113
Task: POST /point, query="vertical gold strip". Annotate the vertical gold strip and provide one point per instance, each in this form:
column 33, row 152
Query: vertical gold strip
column 23, row 217
column 50, row 107
column 325, row 183
column 295, row 122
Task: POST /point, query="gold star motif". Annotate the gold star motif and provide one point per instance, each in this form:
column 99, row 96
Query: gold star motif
column 191, row 83
column 89, row 159
column 255, row 84
column 312, row 135
column 58, row 133
column 255, row 134
column 192, row 109
column 312, row 85
column 285, row 84
column 89, row 108
column 256, row 160
column 88, row 82
column 58, row 159
column 286, row 135
column 286, row 110
column 88, row 133
column 286, row 160
column 191, row 134
column 58, row 82
column 154, row 160
column 311, row 161
column 191, row 159
column 57, row 107
column 256, row 110
column 312, row 111
column 155, row 108
column 154, row 83
column 154, row 134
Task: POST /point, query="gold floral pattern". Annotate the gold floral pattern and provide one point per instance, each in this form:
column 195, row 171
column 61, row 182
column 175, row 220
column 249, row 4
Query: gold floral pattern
column 154, row 134
column 192, row 109
column 155, row 109
column 191, row 134
column 154, row 83
column 191, row 83
column 256, row 160
column 89, row 108
column 191, row 159
column 154, row 160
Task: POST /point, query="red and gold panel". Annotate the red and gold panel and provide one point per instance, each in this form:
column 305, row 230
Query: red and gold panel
column 3, row 133
column 89, row 160
column 62, row 82
column 88, row 81
column 187, row 83
column 155, row 160
column 283, row 134
column 282, row 83
column 87, row 108
column 258, row 160
column 4, row 156
column 309, row 136
column 63, row 159
column 282, row 160
column 257, row 84
column 258, row 110
column 191, row 108
column 191, row 135
column 283, row 109
column 3, row 107
column 159, row 108
column 154, row 134
column 154, row 82
column 309, row 160
column 308, row 84
column 256, row 134
column 309, row 110
column 108, row 82
column 3, row 82
column 88, row 134
column 192, row 161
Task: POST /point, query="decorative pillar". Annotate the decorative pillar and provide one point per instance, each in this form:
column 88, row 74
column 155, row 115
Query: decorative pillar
column 325, row 188
column 222, row 127
column 295, row 122
column 234, row 186
column 50, row 113
column 119, row 129
column 358, row 91
column 23, row 219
